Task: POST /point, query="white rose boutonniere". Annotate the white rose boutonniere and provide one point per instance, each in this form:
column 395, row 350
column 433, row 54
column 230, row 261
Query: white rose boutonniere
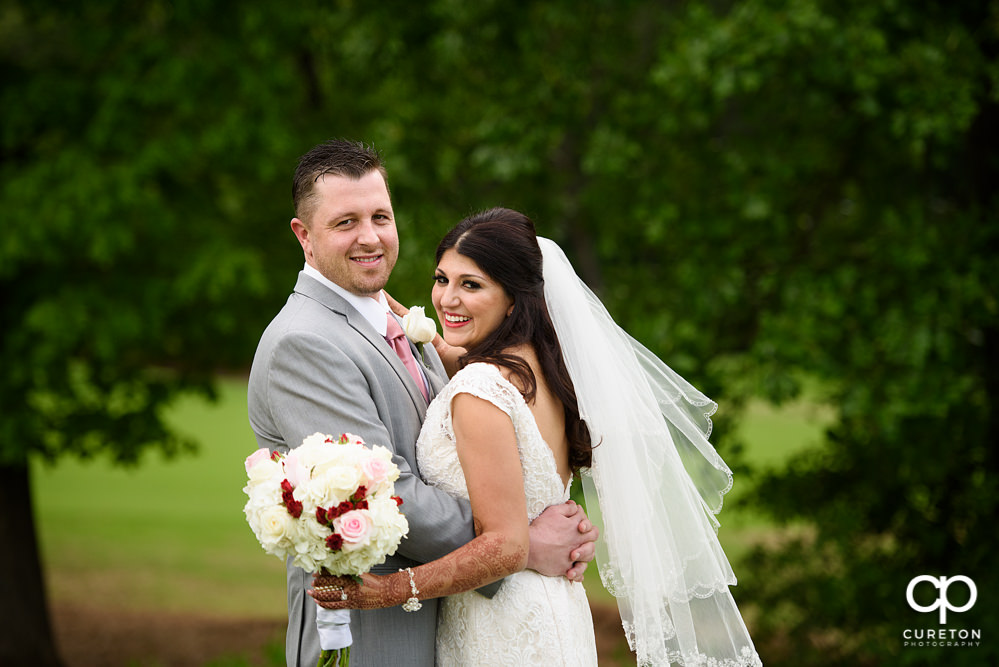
column 419, row 328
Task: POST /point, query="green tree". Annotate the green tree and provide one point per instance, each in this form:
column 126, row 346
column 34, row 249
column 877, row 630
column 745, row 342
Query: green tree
column 854, row 145
column 143, row 162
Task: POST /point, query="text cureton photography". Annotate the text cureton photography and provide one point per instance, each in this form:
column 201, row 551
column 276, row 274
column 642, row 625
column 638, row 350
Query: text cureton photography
column 941, row 636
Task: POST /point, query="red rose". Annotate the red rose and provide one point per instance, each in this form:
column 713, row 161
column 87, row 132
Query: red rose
column 295, row 508
column 321, row 516
column 360, row 493
column 398, row 500
column 361, row 505
column 334, row 542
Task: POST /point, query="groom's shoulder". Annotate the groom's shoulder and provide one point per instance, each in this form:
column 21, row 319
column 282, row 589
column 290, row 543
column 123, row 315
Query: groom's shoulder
column 311, row 299
column 304, row 314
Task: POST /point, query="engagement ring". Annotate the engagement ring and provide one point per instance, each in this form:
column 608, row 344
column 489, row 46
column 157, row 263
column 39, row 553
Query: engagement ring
column 332, row 589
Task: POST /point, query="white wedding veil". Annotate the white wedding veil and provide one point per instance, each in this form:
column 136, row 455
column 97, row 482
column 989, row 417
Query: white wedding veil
column 654, row 485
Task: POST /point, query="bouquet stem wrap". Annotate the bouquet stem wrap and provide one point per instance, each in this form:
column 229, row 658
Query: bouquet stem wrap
column 334, row 628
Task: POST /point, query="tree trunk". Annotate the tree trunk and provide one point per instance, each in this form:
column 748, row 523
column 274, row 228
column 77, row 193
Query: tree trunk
column 24, row 615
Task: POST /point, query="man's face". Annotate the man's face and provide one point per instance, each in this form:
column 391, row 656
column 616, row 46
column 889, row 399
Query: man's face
column 350, row 236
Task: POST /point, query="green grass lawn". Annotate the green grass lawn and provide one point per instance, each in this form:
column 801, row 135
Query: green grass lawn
column 170, row 534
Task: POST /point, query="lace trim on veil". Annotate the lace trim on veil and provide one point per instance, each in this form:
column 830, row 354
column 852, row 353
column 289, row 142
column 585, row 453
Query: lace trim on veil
column 654, row 486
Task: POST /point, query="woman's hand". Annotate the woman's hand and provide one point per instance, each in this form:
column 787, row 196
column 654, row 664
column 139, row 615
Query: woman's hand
column 374, row 592
column 396, row 307
column 449, row 355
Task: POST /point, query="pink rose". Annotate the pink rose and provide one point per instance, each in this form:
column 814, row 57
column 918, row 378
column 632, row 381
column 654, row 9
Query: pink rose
column 354, row 527
column 294, row 469
column 375, row 469
column 262, row 454
column 351, row 439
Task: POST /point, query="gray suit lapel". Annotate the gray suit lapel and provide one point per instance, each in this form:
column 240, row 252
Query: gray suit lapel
column 313, row 289
column 435, row 370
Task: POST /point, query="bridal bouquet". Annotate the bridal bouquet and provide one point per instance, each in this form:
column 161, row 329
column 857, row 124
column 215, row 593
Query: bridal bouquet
column 328, row 504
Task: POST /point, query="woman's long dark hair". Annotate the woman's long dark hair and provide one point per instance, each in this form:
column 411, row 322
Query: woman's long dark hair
column 503, row 243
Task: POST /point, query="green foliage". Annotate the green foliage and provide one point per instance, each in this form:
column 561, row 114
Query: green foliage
column 858, row 240
column 139, row 173
column 763, row 191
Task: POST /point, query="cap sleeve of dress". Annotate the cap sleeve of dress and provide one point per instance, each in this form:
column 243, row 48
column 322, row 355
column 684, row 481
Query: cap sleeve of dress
column 484, row 381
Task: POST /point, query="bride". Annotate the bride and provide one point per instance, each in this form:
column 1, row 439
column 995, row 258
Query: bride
column 548, row 387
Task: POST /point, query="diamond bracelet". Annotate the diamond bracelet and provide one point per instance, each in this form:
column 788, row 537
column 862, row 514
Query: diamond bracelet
column 413, row 603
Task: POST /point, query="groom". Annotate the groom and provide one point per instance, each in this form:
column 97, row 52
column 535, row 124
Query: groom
column 324, row 364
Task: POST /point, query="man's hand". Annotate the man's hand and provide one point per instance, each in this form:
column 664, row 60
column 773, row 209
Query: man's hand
column 562, row 542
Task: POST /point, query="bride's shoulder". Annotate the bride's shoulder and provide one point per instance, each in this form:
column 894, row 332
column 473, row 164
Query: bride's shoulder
column 479, row 370
column 484, row 380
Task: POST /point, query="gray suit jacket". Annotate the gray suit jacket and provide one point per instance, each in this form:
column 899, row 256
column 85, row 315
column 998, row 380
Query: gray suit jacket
column 320, row 366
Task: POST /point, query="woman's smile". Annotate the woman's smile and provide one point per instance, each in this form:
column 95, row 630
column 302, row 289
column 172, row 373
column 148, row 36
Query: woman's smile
column 453, row 320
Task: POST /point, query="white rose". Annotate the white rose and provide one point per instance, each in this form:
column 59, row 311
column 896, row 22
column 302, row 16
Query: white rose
column 317, row 439
column 277, row 529
column 261, row 496
column 295, row 469
column 263, row 470
column 256, row 457
column 376, row 471
column 418, row 327
column 312, row 454
column 337, row 456
column 335, row 485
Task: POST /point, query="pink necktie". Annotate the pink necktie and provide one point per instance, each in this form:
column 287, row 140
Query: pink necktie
column 397, row 339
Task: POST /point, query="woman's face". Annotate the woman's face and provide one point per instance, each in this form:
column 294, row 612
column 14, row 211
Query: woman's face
column 469, row 304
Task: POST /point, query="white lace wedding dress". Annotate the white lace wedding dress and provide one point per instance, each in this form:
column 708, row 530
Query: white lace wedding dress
column 532, row 619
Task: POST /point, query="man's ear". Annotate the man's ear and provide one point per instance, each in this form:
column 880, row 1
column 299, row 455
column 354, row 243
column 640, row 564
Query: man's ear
column 301, row 231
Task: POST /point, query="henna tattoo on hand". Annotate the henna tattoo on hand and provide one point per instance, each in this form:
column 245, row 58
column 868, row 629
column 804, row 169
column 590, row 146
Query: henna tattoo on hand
column 485, row 559
column 374, row 592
